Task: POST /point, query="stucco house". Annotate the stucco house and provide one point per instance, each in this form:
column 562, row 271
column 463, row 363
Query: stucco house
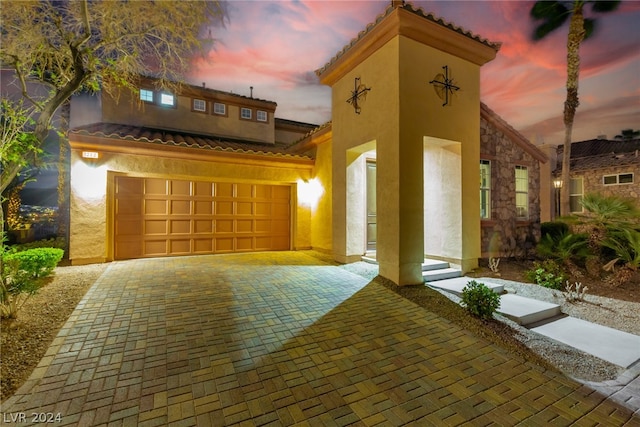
column 411, row 165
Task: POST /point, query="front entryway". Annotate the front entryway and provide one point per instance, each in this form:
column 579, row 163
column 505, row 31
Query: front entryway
column 165, row 217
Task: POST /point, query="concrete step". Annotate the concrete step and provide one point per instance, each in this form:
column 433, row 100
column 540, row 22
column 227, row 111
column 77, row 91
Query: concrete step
column 456, row 284
column 617, row 347
column 525, row 311
column 427, row 265
column 433, row 264
column 441, row 274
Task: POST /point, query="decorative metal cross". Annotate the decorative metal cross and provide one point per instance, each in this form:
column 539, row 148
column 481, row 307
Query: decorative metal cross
column 359, row 93
column 444, row 85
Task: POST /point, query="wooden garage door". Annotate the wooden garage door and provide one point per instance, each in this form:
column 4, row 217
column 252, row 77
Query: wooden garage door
column 164, row 217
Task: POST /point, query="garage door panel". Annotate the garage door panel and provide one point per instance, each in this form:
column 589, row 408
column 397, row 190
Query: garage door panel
column 180, row 247
column 244, row 244
column 154, row 186
column 280, row 192
column 202, row 207
column 155, row 207
column 127, row 248
column 244, row 208
column 180, row 227
column 128, row 207
column 280, row 210
column 263, row 243
column 223, row 208
column 164, row 217
column 262, row 191
column 155, row 247
column 155, row 226
column 203, row 226
column 203, row 189
column 244, row 190
column 244, row 226
column 129, row 186
column 128, row 227
column 263, row 208
column 224, row 244
column 180, row 188
column 202, row 246
column 224, row 226
column 180, row 207
column 263, row 226
column 223, row 189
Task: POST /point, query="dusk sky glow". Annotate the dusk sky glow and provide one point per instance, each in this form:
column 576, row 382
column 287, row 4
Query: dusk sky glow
column 275, row 46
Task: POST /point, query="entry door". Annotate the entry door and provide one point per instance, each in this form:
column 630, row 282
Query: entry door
column 372, row 226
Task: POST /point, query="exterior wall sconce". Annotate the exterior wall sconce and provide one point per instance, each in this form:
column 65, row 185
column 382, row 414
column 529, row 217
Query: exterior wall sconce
column 443, row 85
column 557, row 185
column 358, row 94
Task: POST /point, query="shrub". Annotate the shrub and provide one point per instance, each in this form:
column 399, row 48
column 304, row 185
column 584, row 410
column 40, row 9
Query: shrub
column 547, row 273
column 37, row 262
column 22, row 274
column 554, row 228
column 479, row 300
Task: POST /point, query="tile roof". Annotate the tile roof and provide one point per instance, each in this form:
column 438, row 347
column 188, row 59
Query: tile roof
column 594, row 147
column 601, row 153
column 184, row 139
column 419, row 12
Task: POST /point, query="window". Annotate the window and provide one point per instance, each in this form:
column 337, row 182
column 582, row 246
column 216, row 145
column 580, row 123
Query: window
column 522, row 192
column 485, row 189
column 261, row 116
column 219, row 108
column 167, row 99
column 575, row 195
column 199, row 105
column 146, row 95
column 621, row 178
column 245, row 113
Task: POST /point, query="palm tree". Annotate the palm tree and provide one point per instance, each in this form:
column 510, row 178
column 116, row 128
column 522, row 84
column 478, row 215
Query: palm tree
column 553, row 14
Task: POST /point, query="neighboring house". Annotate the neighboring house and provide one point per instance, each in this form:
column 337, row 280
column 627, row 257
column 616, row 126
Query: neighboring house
column 204, row 171
column 607, row 167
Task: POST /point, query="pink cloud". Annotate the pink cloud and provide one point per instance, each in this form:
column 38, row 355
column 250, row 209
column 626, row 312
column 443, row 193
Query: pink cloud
column 276, row 46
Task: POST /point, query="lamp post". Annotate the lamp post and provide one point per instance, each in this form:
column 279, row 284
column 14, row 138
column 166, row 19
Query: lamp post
column 557, row 184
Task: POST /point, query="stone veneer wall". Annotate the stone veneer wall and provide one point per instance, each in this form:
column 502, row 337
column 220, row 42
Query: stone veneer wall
column 503, row 235
column 592, row 181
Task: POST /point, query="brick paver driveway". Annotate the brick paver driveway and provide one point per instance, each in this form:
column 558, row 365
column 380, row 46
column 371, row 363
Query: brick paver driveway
column 282, row 339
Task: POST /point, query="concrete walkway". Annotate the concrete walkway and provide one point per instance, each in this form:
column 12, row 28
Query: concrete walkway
column 281, row 339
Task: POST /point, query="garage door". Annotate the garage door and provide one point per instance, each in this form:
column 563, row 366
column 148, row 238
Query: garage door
column 165, row 217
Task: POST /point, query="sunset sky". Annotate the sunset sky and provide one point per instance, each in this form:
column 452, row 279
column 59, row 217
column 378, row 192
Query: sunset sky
column 275, row 46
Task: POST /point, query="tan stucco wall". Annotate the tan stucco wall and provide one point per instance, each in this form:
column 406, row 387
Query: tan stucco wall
column 91, row 214
column 321, row 219
column 129, row 111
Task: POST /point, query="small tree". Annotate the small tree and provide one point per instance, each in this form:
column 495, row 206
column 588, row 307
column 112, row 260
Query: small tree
column 72, row 46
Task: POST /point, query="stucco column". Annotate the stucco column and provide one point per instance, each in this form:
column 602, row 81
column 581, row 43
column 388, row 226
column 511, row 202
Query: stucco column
column 400, row 198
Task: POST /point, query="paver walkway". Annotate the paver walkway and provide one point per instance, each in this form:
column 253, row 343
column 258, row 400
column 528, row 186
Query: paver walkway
column 280, row 339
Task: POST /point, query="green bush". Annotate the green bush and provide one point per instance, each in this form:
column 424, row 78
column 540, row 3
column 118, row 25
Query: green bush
column 36, row 262
column 554, row 228
column 563, row 247
column 547, row 273
column 479, row 300
column 22, row 276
